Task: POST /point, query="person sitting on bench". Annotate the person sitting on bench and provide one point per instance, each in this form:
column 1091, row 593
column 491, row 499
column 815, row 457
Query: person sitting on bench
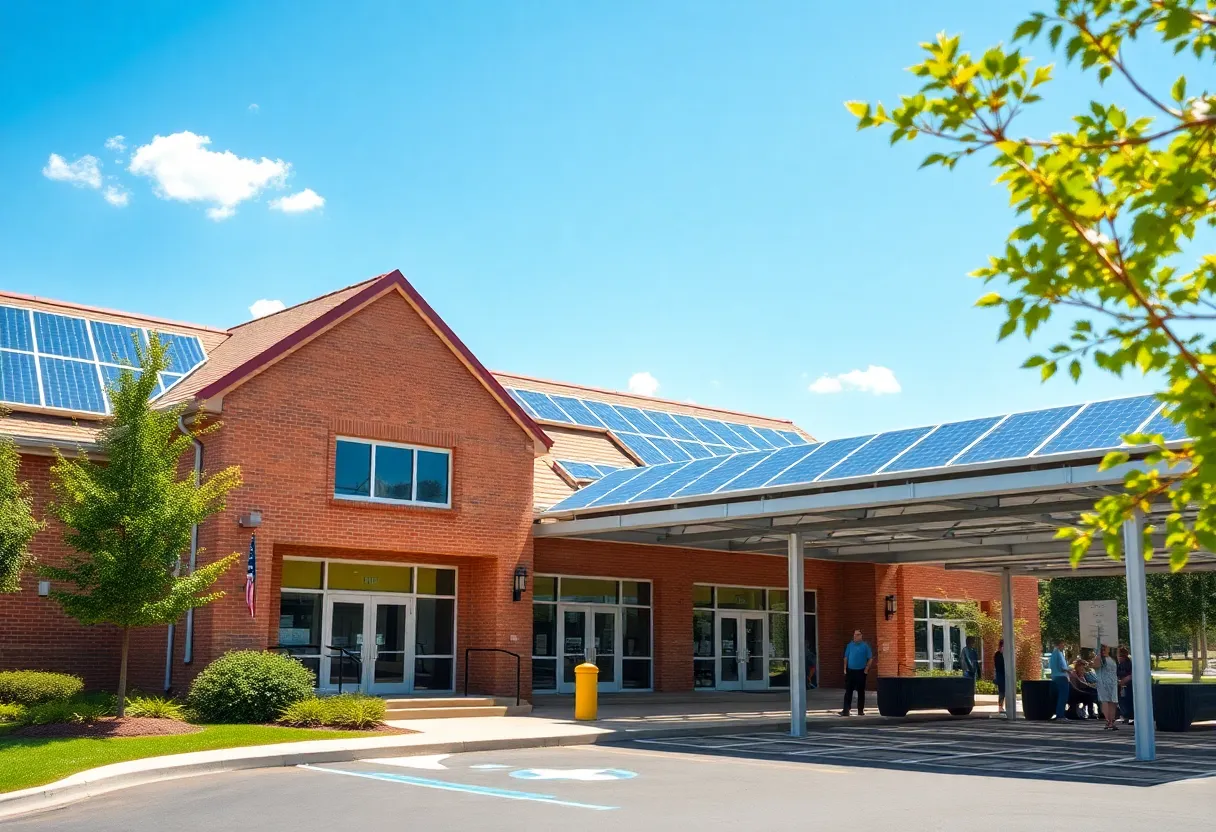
column 1082, row 695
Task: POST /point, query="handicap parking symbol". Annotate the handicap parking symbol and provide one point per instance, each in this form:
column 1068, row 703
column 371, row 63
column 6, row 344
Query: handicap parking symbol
column 583, row 774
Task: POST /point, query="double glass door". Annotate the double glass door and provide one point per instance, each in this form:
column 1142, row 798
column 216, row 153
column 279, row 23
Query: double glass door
column 946, row 644
column 368, row 643
column 741, row 659
column 590, row 634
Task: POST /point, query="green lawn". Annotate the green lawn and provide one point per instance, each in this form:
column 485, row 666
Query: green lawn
column 1174, row 665
column 34, row 762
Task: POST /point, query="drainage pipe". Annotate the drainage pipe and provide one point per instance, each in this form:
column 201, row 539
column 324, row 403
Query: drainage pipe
column 188, row 651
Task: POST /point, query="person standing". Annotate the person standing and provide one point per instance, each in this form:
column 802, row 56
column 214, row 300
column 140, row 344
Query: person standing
column 1124, row 674
column 971, row 660
column 1058, row 665
column 1108, row 686
column 857, row 659
column 998, row 674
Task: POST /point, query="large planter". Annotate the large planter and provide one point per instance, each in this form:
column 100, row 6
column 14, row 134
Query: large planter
column 1175, row 707
column 1038, row 699
column 899, row 694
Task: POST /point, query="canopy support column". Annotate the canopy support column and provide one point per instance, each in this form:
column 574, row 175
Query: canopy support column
column 1137, row 621
column 1011, row 653
column 797, row 625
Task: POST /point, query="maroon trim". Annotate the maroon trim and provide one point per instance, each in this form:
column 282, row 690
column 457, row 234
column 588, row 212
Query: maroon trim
column 315, row 326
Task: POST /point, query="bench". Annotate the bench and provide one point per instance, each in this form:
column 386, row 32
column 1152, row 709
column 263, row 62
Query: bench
column 1175, row 707
column 899, row 694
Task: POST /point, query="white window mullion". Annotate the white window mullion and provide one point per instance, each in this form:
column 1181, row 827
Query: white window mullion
column 371, row 472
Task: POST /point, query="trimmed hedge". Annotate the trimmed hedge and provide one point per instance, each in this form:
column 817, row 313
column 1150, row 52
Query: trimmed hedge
column 32, row 687
column 249, row 686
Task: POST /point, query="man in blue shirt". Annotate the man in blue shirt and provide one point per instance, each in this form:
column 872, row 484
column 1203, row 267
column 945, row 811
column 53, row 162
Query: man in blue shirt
column 971, row 660
column 1058, row 665
column 857, row 659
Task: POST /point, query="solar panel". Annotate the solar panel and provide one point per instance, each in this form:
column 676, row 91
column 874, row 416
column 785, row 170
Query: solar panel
column 830, row 453
column 116, row 343
column 774, row 464
column 577, row 411
column 749, row 433
column 636, row 485
column 669, row 425
column 670, row 449
column 73, row 385
column 641, row 446
column 639, row 420
column 679, row 479
column 943, row 445
column 184, row 352
column 15, row 331
column 876, row 453
column 725, row 435
column 18, row 378
column 580, row 470
column 731, row 467
column 61, row 335
column 544, row 406
column 693, row 425
column 167, row 380
column 1017, row 435
column 1102, row 425
column 695, row 449
column 793, row 437
column 774, row 437
column 605, row 470
column 519, row 400
column 607, row 414
column 1168, row 428
column 585, row 496
column 720, row 450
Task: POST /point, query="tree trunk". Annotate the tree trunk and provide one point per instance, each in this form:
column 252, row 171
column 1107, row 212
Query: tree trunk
column 1196, row 668
column 122, row 673
column 1203, row 638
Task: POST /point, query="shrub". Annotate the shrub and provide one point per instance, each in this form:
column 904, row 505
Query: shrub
column 30, row 687
column 12, row 712
column 986, row 687
column 249, row 686
column 155, row 707
column 66, row 710
column 354, row 712
column 307, row 713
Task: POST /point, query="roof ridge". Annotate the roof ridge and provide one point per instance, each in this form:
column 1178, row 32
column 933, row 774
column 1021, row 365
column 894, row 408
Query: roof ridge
column 306, row 302
column 81, row 307
column 641, row 398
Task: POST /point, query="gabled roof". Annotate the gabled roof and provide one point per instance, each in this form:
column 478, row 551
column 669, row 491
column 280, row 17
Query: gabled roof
column 254, row 346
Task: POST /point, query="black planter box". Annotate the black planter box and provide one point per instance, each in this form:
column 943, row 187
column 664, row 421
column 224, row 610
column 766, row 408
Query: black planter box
column 1038, row 699
column 1175, row 707
column 899, row 694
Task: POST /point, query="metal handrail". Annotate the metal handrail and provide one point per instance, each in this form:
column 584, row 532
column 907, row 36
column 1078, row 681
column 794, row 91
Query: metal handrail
column 343, row 654
column 469, row 650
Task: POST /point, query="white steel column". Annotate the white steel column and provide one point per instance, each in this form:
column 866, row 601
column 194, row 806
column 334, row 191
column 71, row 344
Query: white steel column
column 1137, row 621
column 1011, row 653
column 797, row 629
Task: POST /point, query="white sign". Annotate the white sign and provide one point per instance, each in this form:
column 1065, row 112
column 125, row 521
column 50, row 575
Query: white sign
column 1099, row 623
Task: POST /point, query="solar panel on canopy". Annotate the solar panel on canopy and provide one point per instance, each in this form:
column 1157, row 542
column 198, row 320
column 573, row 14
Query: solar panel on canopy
column 544, row 406
column 1017, row 435
column 694, row 426
column 774, row 464
column 577, row 410
column 751, row 435
column 679, row 479
column 731, row 467
column 18, row 378
column 15, row 329
column 580, row 470
column 116, row 343
column 876, row 453
column 1168, row 428
column 639, row 420
column 943, row 445
column 670, row 449
column 695, row 449
column 793, row 437
column 71, row 384
column 774, row 437
column 605, row 470
column 61, row 335
column 721, row 450
column 607, row 414
column 669, row 425
column 636, row 485
column 1102, row 425
column 183, row 351
column 830, row 453
column 597, row 489
column 641, row 446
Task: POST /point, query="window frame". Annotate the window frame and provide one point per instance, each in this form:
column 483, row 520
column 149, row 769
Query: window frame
column 371, row 489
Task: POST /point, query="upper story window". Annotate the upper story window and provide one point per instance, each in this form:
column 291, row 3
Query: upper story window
column 392, row 473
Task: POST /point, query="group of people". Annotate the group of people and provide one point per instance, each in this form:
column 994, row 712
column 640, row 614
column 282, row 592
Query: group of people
column 1102, row 682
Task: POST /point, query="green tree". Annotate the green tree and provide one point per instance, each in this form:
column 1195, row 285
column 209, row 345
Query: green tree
column 17, row 523
column 1108, row 207
column 988, row 626
column 1059, row 606
column 1179, row 603
column 128, row 517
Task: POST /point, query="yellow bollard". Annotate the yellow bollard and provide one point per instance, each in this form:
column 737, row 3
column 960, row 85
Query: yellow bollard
column 586, row 691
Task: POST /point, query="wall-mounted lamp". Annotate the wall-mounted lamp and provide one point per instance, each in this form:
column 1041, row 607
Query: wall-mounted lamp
column 44, row 588
column 250, row 521
column 891, row 608
column 520, row 583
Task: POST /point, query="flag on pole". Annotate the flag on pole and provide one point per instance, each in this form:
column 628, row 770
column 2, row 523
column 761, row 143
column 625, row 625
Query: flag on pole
column 251, row 575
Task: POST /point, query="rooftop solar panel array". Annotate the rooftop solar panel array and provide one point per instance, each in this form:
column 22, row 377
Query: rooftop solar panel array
column 1035, row 435
column 587, row 470
column 653, row 436
column 65, row 362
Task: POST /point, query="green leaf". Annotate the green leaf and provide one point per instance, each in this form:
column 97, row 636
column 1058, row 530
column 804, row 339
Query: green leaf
column 1178, row 91
column 990, row 299
column 860, row 109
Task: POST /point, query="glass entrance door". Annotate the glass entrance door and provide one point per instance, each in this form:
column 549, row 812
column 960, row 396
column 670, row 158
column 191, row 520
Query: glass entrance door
column 590, row 634
column 947, row 639
column 367, row 644
column 741, row 657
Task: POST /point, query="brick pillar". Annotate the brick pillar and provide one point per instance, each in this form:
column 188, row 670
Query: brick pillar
column 672, row 606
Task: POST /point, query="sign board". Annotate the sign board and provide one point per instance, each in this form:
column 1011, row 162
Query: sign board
column 1099, row 623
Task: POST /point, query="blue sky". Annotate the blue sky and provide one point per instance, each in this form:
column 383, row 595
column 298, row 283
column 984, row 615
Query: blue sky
column 584, row 191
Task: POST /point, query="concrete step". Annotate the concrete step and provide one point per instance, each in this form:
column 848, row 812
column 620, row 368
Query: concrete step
column 444, row 713
column 442, row 702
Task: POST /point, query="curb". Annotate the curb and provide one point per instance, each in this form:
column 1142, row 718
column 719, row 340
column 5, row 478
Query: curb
column 99, row 781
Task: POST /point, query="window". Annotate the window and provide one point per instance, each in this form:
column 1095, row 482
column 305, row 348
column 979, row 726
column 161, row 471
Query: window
column 391, row 473
column 938, row 637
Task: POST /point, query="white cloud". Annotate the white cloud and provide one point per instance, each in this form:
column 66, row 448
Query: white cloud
column 117, row 196
column 262, row 308
column 116, row 143
column 305, row 200
column 874, row 379
column 644, row 384
column 182, row 168
column 85, row 172
column 253, row 108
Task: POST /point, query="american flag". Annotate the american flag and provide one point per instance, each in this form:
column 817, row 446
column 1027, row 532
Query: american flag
column 251, row 575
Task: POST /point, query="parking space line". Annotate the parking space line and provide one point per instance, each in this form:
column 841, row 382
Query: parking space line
column 1088, row 764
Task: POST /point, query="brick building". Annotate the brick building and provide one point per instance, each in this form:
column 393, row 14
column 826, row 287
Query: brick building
column 394, row 486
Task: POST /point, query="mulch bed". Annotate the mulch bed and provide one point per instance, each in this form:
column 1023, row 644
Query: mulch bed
column 131, row 726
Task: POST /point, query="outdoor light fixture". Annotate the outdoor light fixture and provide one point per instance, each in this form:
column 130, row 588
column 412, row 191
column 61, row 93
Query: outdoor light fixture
column 520, row 583
column 891, row 609
column 251, row 520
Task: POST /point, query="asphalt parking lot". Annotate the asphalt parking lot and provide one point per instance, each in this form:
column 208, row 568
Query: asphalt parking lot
column 1079, row 752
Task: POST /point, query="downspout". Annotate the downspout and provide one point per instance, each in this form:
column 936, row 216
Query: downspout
column 188, row 650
